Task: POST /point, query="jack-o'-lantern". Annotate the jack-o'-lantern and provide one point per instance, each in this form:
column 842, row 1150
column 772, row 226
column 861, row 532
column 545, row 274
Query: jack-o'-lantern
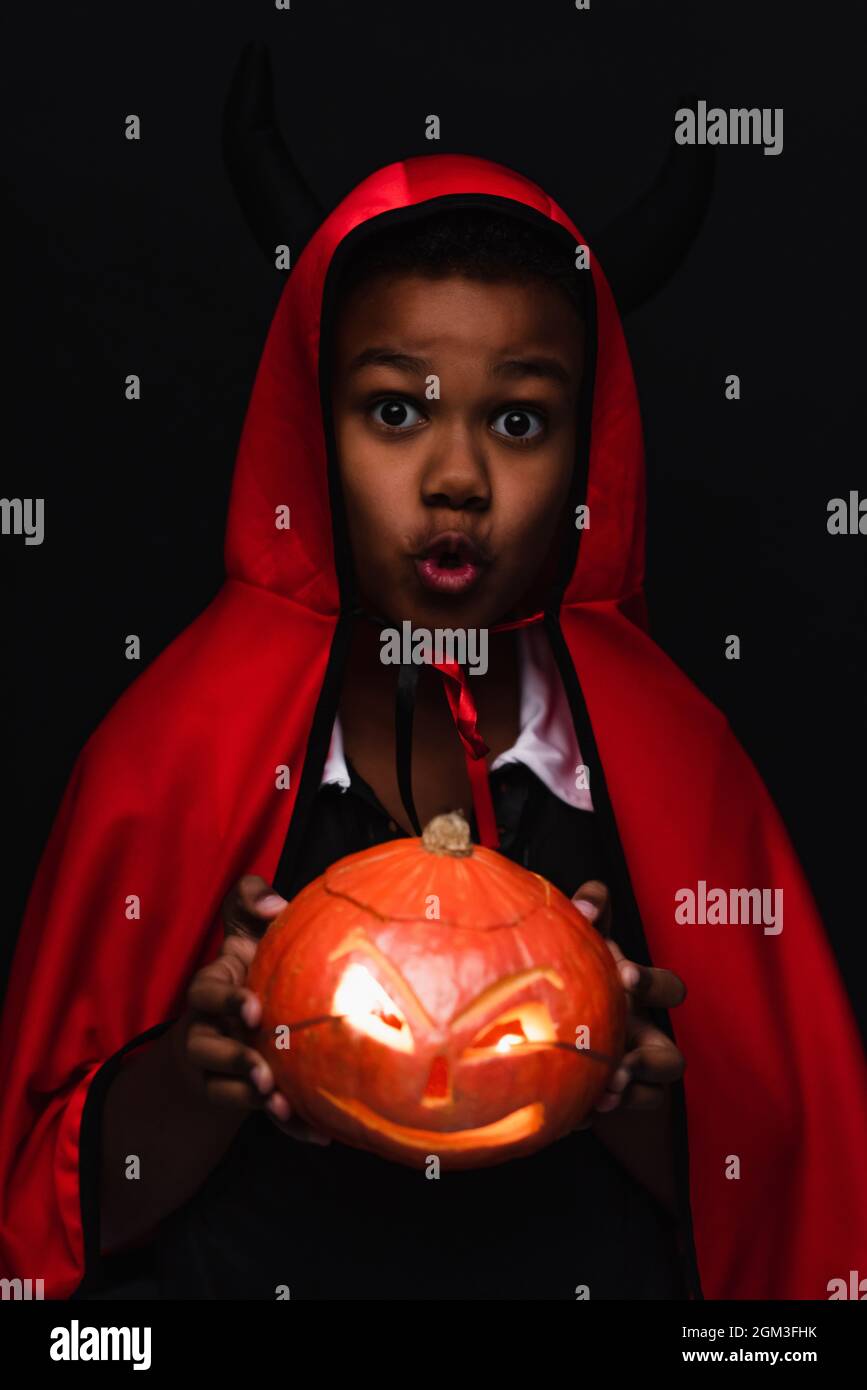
column 428, row 996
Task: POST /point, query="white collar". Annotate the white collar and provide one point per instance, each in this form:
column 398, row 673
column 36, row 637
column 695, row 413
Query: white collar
column 546, row 744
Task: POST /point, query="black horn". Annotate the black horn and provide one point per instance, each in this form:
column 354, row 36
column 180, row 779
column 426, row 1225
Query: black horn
column 639, row 251
column 643, row 247
column 274, row 197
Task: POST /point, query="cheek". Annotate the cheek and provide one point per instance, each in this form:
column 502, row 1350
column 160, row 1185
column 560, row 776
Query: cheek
column 371, row 495
column 530, row 506
column 377, row 506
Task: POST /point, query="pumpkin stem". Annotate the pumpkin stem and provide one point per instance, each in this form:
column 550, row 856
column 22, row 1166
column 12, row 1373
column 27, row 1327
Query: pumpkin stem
column 448, row 834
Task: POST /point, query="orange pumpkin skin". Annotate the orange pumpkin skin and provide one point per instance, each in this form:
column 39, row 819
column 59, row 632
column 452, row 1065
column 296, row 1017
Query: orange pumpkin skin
column 413, row 1035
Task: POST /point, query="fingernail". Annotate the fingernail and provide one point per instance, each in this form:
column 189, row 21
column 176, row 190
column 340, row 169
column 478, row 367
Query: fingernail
column 608, row 1102
column 589, row 909
column 630, row 974
column 271, row 902
column 261, row 1077
column 621, row 1079
column 250, row 1012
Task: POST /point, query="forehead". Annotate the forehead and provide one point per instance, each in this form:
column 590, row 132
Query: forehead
column 456, row 313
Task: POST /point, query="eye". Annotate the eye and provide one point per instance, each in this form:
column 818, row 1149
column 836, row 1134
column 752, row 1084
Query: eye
column 363, row 1003
column 396, row 413
column 528, row 1023
column 518, row 423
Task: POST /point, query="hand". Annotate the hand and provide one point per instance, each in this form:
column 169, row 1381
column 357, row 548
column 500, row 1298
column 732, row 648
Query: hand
column 651, row 1060
column 221, row 1011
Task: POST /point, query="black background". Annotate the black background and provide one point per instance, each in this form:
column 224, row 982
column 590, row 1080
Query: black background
column 133, row 257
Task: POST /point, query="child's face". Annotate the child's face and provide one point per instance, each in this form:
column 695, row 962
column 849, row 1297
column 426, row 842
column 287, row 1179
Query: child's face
column 491, row 458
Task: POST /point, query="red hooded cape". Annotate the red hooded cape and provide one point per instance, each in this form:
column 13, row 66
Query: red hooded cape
column 173, row 798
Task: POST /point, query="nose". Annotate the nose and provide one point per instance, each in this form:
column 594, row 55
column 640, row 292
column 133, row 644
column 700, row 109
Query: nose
column 457, row 476
column 438, row 1089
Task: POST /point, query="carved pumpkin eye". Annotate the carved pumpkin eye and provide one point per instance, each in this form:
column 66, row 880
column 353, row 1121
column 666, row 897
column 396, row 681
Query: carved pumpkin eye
column 363, row 1003
column 503, row 1035
column 528, row 1023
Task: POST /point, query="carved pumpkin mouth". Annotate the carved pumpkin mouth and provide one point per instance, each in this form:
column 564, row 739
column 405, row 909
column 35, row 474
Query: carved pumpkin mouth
column 519, row 1124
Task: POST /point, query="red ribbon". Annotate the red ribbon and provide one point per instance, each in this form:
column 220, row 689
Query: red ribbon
column 464, row 713
column 463, row 708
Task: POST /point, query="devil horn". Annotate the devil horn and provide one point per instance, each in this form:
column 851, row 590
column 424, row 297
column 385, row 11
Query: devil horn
column 639, row 251
column 643, row 247
column 275, row 199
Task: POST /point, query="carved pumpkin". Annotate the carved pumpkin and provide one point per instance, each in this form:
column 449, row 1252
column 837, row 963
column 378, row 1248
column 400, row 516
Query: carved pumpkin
column 430, row 997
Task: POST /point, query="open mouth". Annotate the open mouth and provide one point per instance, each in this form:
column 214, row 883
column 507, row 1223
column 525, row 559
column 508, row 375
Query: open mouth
column 519, row 1124
column 450, row 563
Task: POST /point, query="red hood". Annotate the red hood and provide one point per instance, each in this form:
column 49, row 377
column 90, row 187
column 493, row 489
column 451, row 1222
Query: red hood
column 175, row 796
column 282, row 457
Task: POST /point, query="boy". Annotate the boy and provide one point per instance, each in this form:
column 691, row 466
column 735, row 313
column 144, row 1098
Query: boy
column 453, row 507
column 405, row 483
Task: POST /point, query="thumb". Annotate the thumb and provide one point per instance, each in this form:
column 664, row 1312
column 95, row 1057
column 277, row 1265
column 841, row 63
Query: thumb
column 593, row 902
column 250, row 907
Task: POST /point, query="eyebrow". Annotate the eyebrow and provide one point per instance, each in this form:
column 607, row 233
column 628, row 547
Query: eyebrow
column 512, row 368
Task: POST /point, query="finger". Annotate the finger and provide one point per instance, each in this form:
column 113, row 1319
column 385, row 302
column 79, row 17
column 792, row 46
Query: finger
column 638, row 1096
column 296, row 1128
column 644, row 1072
column 229, row 1074
column 211, row 1052
column 257, row 900
column 656, row 1059
column 627, row 969
column 250, row 907
column 239, row 950
column 648, row 984
column 615, row 1085
column 232, row 1094
column 218, row 992
column 657, row 988
column 592, row 900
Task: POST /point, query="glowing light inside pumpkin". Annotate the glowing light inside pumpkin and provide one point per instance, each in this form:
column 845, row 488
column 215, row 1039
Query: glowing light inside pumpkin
column 363, row 1003
column 527, row 1023
column 438, row 1087
column 508, row 1130
column 503, row 1036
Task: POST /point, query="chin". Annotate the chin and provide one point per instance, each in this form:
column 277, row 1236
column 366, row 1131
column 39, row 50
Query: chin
column 444, row 610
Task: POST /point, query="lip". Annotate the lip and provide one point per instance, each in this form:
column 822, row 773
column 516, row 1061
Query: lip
column 467, row 563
